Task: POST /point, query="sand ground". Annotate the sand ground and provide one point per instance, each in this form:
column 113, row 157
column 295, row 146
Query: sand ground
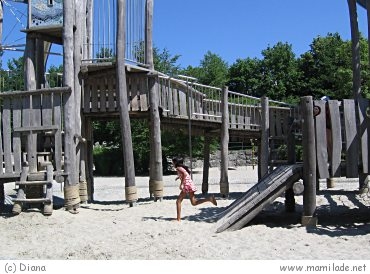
column 109, row 229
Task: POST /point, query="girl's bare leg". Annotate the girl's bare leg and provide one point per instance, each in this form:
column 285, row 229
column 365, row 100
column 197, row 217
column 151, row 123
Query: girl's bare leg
column 181, row 197
column 195, row 202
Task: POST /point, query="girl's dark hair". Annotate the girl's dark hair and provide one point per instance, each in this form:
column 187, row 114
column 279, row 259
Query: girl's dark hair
column 179, row 162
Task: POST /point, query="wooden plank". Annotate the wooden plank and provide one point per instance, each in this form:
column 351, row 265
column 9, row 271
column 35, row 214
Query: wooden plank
column 232, row 115
column 175, row 101
column 111, row 94
column 35, row 121
column 7, row 136
column 17, row 150
column 183, row 105
column 170, row 99
column 164, row 95
column 87, row 95
column 363, row 105
column 351, row 138
column 47, row 121
column 103, row 94
column 246, row 207
column 35, row 129
column 47, row 111
column 335, row 157
column 240, row 118
column 279, row 123
column 272, row 118
column 94, row 94
column 57, row 103
column 321, row 141
column 133, row 94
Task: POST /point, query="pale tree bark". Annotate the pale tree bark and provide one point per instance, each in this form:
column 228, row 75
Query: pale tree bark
column 71, row 187
column 355, row 49
column 149, row 59
column 128, row 155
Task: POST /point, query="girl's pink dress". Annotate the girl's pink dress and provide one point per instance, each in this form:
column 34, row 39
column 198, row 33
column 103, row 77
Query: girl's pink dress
column 187, row 182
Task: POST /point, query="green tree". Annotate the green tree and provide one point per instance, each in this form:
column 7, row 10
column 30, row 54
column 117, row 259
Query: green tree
column 213, row 70
column 279, row 72
column 327, row 67
column 164, row 62
column 245, row 76
column 13, row 78
column 54, row 76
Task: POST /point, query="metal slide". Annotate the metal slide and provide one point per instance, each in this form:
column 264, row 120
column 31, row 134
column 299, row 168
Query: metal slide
column 271, row 186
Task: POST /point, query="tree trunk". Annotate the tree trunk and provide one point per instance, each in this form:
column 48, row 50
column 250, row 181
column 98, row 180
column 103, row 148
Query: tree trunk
column 71, row 187
column 224, row 183
column 149, row 34
column 265, row 134
column 206, row 156
column 128, row 155
column 89, row 29
column 156, row 168
column 355, row 49
column 309, row 164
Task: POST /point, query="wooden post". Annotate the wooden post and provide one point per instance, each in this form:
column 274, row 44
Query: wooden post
column 289, row 193
column 89, row 29
column 30, row 84
column 90, row 159
column 71, row 186
column 355, row 37
column 128, row 155
column 206, row 152
column 80, row 11
column 48, row 207
column 149, row 34
column 224, row 183
column 156, row 167
column 265, row 134
column 356, row 65
column 309, row 165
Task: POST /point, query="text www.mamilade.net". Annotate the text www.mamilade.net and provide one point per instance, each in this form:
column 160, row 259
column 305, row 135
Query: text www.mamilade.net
column 330, row 267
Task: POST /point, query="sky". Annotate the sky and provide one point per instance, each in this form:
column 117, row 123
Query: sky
column 232, row 29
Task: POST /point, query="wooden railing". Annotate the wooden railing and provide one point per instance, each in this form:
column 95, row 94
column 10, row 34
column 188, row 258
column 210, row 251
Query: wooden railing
column 177, row 98
column 27, row 113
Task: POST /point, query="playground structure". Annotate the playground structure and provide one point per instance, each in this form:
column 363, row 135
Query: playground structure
column 109, row 74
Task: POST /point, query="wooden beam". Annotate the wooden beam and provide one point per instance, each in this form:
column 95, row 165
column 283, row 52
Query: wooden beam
column 355, row 37
column 265, row 134
column 224, row 181
column 156, row 168
column 149, row 34
column 71, row 194
column 128, row 155
column 309, row 165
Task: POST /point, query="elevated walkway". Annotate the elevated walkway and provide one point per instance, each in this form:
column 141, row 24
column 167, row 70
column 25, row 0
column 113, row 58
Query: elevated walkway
column 244, row 209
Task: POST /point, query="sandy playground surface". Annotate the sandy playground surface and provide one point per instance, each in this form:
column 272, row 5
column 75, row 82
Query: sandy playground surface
column 110, row 229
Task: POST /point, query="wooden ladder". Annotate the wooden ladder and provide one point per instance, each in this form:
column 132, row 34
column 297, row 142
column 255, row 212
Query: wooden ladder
column 40, row 181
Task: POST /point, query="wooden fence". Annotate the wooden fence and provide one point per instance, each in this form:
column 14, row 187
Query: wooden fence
column 25, row 114
column 342, row 138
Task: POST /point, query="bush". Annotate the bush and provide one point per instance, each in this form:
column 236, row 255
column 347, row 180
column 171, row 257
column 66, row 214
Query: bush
column 108, row 160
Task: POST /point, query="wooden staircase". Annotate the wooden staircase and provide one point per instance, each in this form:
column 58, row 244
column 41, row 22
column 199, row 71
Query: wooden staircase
column 35, row 190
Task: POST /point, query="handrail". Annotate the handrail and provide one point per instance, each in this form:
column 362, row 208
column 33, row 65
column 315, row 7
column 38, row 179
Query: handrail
column 36, row 92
